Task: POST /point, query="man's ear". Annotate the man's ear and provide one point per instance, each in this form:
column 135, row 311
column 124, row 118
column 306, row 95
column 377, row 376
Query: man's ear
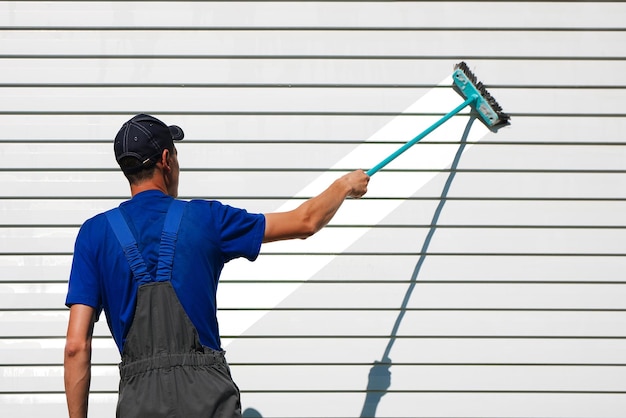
column 165, row 158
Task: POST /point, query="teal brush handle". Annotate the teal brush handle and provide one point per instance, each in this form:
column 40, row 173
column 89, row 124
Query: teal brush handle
column 419, row 137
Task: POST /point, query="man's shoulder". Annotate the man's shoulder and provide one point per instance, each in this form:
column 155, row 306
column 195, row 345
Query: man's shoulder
column 202, row 204
column 94, row 224
column 215, row 206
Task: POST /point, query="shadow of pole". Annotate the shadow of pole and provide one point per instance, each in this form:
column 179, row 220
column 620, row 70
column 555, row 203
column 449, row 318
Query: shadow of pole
column 379, row 378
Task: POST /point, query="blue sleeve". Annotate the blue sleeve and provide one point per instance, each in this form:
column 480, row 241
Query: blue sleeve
column 83, row 285
column 241, row 233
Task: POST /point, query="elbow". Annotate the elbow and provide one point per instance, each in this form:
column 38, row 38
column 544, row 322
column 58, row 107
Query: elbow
column 77, row 349
column 308, row 230
column 309, row 226
column 300, row 223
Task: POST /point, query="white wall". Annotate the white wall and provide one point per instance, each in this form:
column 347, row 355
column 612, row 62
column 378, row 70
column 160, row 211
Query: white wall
column 495, row 288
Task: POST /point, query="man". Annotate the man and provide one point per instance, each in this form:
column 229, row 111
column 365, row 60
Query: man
column 153, row 266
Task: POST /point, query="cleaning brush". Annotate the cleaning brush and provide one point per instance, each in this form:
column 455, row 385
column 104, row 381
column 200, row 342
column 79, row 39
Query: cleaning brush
column 467, row 85
column 475, row 94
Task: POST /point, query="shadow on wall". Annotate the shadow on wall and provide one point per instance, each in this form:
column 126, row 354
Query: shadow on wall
column 379, row 378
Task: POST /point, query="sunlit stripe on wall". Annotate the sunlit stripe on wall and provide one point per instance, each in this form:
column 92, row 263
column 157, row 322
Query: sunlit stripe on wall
column 407, row 127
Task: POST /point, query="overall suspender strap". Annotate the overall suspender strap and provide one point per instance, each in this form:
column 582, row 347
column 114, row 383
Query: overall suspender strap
column 131, row 249
column 168, row 240
column 129, row 245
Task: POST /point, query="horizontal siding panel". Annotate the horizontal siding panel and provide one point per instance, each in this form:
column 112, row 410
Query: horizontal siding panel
column 263, row 184
column 222, row 127
column 308, row 351
column 362, row 268
column 293, row 100
column 379, row 241
column 374, row 296
column 562, row 102
column 542, row 157
column 41, row 268
column 389, row 296
column 33, row 296
column 435, row 378
column 434, row 351
column 419, row 323
column 56, row 184
column 340, row 405
column 352, row 378
column 42, row 351
column 63, row 212
column 450, row 268
column 309, row 156
column 37, row 240
column 274, row 72
column 50, row 378
column 417, row 405
column 316, row 14
column 549, row 214
column 221, row 100
column 565, row 129
column 459, row 241
column 346, row 324
column 496, row 213
column 28, row 268
column 536, row 185
column 53, row 212
column 41, row 324
column 525, row 241
column 101, row 405
column 194, row 156
column 304, row 128
column 305, row 43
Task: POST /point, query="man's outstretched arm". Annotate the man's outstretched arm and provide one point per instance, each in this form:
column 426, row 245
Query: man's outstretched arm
column 315, row 213
column 77, row 359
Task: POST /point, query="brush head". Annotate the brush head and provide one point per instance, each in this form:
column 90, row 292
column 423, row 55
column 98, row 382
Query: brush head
column 487, row 108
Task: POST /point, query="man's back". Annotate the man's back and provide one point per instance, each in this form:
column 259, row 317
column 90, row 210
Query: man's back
column 210, row 234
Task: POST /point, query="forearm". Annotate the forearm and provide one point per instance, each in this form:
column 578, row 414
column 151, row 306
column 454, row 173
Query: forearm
column 319, row 210
column 77, row 360
column 315, row 213
column 77, row 377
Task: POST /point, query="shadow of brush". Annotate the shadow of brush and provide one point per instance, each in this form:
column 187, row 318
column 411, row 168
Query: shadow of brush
column 379, row 378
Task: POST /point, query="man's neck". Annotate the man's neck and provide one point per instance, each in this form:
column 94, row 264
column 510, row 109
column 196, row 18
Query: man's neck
column 146, row 185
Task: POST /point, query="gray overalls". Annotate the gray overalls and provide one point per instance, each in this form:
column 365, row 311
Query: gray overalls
column 165, row 371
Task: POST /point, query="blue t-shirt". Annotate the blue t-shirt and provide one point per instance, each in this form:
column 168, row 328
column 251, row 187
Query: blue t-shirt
column 210, row 235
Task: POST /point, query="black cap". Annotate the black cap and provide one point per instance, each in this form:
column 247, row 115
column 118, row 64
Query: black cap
column 144, row 138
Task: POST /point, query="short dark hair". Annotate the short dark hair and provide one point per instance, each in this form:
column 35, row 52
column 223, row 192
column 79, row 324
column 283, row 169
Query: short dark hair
column 136, row 177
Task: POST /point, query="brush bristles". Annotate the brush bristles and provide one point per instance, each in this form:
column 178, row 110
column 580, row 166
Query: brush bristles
column 503, row 118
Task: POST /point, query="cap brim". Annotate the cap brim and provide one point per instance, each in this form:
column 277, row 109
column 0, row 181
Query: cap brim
column 176, row 132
